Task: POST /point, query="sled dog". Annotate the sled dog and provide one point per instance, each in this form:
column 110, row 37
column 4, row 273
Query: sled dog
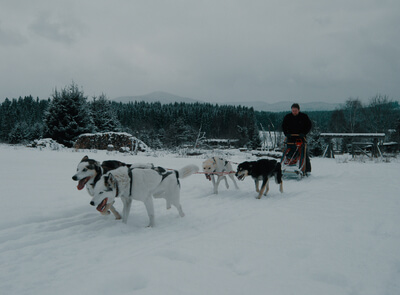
column 218, row 165
column 89, row 172
column 140, row 184
column 261, row 170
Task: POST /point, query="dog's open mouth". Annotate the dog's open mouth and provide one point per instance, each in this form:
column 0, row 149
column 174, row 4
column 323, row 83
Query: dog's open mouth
column 240, row 176
column 103, row 206
column 208, row 176
column 82, row 182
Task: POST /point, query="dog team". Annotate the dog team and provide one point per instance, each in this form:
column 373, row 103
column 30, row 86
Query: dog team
column 112, row 179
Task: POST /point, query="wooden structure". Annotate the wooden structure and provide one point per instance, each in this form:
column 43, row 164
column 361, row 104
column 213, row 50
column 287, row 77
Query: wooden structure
column 357, row 145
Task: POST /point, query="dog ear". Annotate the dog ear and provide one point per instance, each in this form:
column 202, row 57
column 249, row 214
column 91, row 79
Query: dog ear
column 85, row 158
column 110, row 179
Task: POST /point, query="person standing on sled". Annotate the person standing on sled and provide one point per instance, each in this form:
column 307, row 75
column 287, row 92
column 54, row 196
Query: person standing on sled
column 298, row 123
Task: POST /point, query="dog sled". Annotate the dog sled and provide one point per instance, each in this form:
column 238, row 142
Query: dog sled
column 293, row 159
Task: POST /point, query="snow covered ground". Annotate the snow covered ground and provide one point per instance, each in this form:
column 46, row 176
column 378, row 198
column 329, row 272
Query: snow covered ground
column 336, row 232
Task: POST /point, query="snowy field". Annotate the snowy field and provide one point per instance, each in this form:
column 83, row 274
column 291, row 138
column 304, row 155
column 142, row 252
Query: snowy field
column 336, row 232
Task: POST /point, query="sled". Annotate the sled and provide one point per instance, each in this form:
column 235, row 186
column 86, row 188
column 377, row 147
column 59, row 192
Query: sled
column 293, row 159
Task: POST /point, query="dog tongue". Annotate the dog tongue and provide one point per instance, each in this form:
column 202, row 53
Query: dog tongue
column 102, row 205
column 81, row 184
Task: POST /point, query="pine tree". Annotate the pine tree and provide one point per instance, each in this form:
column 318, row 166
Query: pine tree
column 104, row 117
column 19, row 133
column 180, row 133
column 68, row 115
column 8, row 118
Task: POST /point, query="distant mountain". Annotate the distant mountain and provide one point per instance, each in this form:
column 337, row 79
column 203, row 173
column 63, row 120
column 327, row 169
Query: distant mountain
column 283, row 106
column 157, row 96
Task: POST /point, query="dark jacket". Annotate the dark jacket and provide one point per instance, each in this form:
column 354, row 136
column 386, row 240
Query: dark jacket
column 300, row 124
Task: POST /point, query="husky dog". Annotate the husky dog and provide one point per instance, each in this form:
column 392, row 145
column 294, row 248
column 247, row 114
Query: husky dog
column 218, row 165
column 261, row 170
column 140, row 184
column 89, row 172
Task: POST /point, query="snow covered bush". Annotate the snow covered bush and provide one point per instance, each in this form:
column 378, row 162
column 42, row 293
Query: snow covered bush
column 101, row 141
column 46, row 143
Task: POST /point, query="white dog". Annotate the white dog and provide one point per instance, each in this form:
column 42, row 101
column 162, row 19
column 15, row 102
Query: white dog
column 89, row 172
column 140, row 184
column 218, row 166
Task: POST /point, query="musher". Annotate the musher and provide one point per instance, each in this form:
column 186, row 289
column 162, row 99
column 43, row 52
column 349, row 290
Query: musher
column 298, row 123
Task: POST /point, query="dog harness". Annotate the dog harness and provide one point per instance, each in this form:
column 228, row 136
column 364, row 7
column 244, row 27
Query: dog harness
column 99, row 172
column 131, row 180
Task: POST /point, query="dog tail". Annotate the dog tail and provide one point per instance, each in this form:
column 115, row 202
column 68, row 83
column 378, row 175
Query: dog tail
column 278, row 173
column 187, row 171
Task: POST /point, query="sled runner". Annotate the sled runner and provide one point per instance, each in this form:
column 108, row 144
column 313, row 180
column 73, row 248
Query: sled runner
column 294, row 157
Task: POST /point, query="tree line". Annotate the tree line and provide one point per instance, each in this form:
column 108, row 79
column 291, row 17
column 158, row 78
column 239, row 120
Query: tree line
column 69, row 113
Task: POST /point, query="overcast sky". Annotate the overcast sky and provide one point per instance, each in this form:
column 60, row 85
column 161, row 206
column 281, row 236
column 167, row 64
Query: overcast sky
column 218, row 51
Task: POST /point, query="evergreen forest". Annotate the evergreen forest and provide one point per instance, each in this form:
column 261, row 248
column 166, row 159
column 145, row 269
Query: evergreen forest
column 69, row 113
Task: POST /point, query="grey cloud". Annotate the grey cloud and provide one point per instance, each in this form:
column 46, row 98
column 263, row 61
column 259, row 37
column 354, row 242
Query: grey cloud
column 216, row 50
column 10, row 38
column 57, row 28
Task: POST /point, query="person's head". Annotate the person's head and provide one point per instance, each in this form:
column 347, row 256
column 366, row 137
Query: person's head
column 295, row 109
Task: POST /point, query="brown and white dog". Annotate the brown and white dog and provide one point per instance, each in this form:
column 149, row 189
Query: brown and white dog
column 221, row 168
column 261, row 170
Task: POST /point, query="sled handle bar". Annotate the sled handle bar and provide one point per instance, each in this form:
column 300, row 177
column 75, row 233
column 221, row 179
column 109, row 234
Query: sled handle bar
column 298, row 141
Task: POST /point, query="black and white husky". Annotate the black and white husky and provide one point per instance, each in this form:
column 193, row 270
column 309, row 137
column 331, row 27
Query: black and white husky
column 89, row 172
column 220, row 167
column 140, row 184
column 261, row 170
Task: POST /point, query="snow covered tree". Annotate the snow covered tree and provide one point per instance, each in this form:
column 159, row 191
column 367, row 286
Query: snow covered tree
column 104, row 116
column 337, row 122
column 23, row 132
column 353, row 114
column 397, row 134
column 19, row 133
column 180, row 133
column 22, row 119
column 381, row 114
column 68, row 115
column 7, row 119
